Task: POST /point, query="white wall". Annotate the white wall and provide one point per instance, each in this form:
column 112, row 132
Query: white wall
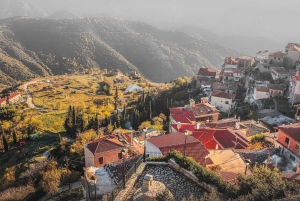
column 260, row 94
column 220, row 103
column 152, row 150
column 230, row 66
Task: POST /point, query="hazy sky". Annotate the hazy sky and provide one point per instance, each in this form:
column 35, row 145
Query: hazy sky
column 276, row 19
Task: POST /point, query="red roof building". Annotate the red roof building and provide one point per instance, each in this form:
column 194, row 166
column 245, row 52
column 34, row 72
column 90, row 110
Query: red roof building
column 288, row 141
column 207, row 72
column 188, row 115
column 102, row 151
column 11, row 99
column 161, row 145
column 221, row 138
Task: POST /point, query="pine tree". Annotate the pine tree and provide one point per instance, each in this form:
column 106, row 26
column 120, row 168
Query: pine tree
column 5, row 143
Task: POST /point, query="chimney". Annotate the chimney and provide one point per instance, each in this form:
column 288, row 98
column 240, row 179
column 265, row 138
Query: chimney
column 204, row 100
column 217, row 146
column 239, row 119
column 235, row 116
column 178, row 126
column 197, row 125
column 192, row 102
column 298, row 169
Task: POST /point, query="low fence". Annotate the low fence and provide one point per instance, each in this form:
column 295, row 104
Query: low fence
column 121, row 185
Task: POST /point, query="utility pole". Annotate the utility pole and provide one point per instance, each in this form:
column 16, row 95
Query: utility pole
column 67, row 166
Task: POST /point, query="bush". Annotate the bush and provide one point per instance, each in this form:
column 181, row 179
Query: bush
column 257, row 138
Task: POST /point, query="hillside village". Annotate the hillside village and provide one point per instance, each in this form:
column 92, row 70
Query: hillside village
column 201, row 138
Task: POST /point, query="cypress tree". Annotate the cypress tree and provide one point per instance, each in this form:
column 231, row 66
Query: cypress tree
column 5, row 143
column 15, row 137
column 150, row 110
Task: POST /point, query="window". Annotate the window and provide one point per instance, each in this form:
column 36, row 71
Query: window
column 120, row 155
column 297, row 146
column 101, row 160
column 292, row 158
column 278, row 59
column 287, row 140
column 226, row 102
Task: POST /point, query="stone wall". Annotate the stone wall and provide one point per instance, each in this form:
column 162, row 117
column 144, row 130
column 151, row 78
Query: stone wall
column 189, row 175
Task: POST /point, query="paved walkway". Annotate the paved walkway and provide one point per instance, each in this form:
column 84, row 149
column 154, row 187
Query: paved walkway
column 180, row 186
column 130, row 184
column 62, row 189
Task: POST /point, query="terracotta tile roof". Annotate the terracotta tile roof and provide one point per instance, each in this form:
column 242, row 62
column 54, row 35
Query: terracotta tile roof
column 225, row 123
column 276, row 86
column 183, row 127
column 230, row 61
column 293, row 46
column 230, row 177
column 219, row 85
column 224, row 138
column 188, row 114
column 236, row 71
column 222, row 94
column 105, row 144
column 207, row 72
column 296, row 77
column 277, row 54
column 172, row 139
column 280, row 70
column 176, row 141
column 3, row 100
column 293, row 130
column 261, row 88
column 208, row 161
column 183, row 116
column 9, row 97
column 291, row 176
column 13, row 95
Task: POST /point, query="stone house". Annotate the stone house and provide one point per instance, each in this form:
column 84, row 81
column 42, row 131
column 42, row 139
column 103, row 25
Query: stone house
column 288, row 141
column 260, row 92
column 279, row 73
column 276, row 90
column 276, row 57
column 292, row 51
column 222, row 100
column 245, row 61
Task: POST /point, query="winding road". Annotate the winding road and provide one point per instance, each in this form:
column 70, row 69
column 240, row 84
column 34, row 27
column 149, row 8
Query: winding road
column 29, row 96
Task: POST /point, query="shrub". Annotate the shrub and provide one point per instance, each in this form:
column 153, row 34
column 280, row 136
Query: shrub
column 257, row 138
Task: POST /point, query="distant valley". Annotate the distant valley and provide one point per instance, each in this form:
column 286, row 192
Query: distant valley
column 33, row 47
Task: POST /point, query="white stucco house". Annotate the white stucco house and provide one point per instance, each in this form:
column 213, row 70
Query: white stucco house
column 223, row 101
column 279, row 73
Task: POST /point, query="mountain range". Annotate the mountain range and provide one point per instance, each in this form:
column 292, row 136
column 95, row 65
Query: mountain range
column 33, row 47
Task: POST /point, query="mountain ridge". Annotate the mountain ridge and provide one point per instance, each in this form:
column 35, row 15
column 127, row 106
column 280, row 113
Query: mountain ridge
column 40, row 47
